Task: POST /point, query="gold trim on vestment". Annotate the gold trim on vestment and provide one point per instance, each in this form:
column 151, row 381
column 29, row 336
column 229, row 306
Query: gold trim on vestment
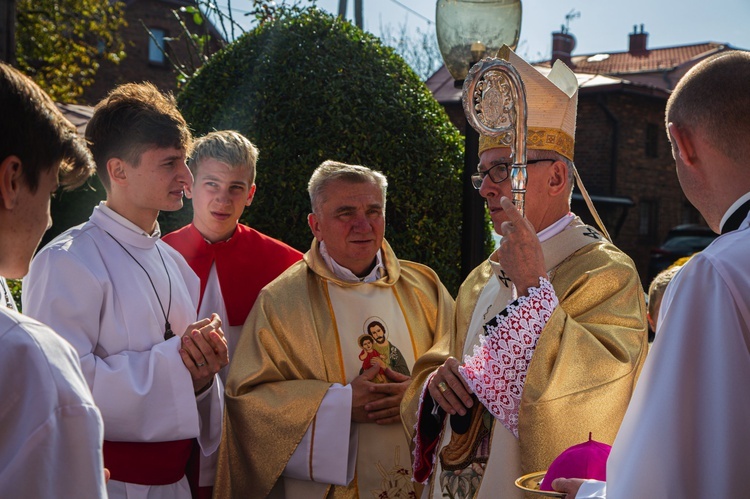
column 585, row 364
column 287, row 358
column 408, row 326
column 546, row 139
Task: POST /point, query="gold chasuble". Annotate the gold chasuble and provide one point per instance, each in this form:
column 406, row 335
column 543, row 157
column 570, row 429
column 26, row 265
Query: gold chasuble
column 579, row 380
column 308, row 330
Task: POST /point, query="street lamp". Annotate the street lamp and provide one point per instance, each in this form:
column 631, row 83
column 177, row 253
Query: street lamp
column 8, row 31
column 467, row 31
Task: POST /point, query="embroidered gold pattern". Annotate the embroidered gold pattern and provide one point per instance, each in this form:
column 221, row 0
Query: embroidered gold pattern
column 548, row 139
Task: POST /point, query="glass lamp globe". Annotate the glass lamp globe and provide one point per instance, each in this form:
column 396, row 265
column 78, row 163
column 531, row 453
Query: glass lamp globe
column 468, row 30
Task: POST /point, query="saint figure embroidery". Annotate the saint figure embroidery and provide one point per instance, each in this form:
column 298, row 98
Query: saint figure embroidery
column 370, row 357
column 394, row 359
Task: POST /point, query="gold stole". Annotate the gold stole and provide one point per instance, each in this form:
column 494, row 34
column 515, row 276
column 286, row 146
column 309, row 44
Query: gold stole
column 475, row 457
column 360, row 313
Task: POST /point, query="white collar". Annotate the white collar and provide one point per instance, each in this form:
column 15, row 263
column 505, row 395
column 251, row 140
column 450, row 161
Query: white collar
column 543, row 235
column 732, row 209
column 123, row 229
column 347, row 275
column 555, row 228
column 127, row 223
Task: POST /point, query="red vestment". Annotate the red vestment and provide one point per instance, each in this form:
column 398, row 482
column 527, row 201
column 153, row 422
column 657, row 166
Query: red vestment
column 245, row 263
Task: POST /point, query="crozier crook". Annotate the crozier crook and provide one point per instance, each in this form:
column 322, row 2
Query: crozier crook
column 494, row 100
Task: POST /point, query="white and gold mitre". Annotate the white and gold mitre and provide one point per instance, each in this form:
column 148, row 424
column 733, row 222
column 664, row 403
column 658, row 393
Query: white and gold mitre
column 552, row 103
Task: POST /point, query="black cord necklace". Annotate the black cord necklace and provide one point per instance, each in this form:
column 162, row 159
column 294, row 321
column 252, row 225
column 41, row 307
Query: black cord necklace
column 167, row 327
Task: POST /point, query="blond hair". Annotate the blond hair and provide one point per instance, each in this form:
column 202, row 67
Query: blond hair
column 227, row 146
column 658, row 286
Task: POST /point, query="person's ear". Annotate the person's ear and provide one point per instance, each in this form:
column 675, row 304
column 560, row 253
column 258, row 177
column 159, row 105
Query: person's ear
column 117, row 170
column 682, row 144
column 558, row 178
column 312, row 221
column 11, row 172
column 250, row 195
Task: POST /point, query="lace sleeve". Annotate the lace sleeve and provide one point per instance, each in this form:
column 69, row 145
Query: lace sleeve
column 496, row 371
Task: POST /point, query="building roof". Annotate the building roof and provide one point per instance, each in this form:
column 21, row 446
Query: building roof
column 658, row 59
column 441, row 84
column 77, row 114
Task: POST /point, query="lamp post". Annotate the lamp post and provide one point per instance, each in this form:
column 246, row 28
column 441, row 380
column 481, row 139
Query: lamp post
column 467, row 31
column 7, row 31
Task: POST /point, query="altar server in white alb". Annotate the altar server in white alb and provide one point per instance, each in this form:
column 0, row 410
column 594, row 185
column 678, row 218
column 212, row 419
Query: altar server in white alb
column 50, row 430
column 686, row 433
column 127, row 301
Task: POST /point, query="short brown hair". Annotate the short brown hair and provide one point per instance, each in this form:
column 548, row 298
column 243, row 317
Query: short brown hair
column 714, row 96
column 133, row 118
column 34, row 129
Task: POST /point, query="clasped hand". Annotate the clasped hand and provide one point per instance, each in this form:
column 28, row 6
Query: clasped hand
column 204, row 351
column 378, row 403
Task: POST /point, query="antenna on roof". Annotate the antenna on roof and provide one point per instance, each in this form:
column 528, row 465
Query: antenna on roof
column 573, row 14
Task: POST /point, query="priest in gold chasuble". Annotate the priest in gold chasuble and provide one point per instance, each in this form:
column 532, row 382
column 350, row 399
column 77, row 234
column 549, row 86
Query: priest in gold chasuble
column 550, row 331
column 326, row 354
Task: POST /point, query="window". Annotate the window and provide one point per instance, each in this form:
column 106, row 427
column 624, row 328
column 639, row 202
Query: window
column 156, row 46
column 648, row 218
column 652, row 140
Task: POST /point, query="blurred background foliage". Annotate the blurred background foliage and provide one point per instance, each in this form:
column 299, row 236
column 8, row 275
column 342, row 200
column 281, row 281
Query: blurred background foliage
column 60, row 43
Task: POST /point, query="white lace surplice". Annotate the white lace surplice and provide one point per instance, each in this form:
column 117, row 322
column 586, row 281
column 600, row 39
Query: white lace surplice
column 497, row 369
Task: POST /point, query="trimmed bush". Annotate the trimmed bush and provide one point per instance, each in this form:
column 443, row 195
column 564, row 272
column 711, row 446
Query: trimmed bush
column 310, row 87
column 73, row 208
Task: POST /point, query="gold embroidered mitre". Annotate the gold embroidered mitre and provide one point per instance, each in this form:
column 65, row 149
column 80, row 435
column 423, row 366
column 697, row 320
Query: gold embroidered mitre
column 552, row 103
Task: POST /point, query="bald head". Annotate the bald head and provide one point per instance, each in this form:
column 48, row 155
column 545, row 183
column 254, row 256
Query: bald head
column 713, row 99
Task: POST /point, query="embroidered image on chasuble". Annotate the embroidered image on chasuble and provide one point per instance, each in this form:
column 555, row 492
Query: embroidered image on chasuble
column 391, row 356
column 301, row 340
column 571, row 365
column 383, row 458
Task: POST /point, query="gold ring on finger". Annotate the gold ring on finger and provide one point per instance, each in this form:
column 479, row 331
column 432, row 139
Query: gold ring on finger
column 442, row 386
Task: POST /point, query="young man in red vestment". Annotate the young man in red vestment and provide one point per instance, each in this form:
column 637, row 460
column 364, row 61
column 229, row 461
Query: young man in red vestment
column 234, row 262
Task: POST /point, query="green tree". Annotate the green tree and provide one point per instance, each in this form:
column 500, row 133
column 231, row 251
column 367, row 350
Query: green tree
column 309, row 87
column 420, row 50
column 14, row 286
column 59, row 43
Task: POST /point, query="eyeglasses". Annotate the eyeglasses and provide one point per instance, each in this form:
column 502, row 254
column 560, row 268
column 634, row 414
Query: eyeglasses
column 499, row 172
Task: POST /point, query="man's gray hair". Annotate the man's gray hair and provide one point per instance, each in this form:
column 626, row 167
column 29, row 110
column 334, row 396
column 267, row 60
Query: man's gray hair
column 227, row 146
column 539, row 154
column 331, row 171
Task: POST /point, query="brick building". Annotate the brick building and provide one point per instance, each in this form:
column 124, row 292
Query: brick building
column 144, row 61
column 622, row 150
